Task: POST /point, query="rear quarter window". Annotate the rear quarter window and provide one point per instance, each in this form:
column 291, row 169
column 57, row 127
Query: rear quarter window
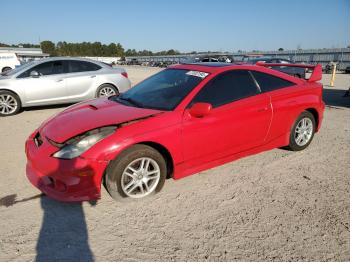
column 82, row 66
column 269, row 83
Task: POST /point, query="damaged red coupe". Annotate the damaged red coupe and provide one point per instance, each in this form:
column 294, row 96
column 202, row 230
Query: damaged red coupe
column 183, row 120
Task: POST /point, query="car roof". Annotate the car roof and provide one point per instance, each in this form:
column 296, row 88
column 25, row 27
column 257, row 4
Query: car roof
column 208, row 68
column 48, row 59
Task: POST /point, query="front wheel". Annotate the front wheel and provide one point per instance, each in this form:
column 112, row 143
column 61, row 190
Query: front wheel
column 138, row 172
column 302, row 131
column 10, row 104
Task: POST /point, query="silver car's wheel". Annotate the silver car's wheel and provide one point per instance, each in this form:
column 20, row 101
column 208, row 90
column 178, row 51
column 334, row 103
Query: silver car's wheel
column 106, row 90
column 140, row 178
column 303, row 131
column 9, row 104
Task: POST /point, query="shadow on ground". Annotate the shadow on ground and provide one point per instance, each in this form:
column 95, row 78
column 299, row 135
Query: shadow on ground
column 335, row 97
column 10, row 200
column 63, row 234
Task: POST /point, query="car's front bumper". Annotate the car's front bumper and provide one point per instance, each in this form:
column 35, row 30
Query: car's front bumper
column 78, row 179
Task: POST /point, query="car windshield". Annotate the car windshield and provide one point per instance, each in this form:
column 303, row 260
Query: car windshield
column 18, row 69
column 163, row 91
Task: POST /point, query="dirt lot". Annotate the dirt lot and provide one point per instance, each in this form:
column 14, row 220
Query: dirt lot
column 275, row 206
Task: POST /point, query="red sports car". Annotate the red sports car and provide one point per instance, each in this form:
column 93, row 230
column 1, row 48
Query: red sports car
column 183, row 120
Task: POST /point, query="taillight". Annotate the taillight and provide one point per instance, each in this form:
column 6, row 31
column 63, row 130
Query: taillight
column 125, row 74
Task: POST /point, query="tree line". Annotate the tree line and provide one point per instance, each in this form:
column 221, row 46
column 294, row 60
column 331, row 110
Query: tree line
column 63, row 48
column 26, row 45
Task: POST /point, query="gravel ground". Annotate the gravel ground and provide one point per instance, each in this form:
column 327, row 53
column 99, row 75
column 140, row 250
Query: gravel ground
column 274, row 206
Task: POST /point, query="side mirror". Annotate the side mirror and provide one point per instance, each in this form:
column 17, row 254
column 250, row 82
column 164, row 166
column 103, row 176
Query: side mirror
column 34, row 74
column 200, row 109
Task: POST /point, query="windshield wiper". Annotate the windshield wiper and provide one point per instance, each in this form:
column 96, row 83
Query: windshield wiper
column 131, row 101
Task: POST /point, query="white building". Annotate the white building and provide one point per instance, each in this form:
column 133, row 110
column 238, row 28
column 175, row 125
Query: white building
column 25, row 54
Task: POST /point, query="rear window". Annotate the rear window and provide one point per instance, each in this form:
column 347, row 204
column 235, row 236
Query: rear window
column 269, row 83
column 82, row 66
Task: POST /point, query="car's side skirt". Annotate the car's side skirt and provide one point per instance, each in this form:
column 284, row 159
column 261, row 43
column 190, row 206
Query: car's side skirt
column 181, row 170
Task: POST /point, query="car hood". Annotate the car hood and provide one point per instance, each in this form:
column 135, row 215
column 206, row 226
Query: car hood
column 89, row 115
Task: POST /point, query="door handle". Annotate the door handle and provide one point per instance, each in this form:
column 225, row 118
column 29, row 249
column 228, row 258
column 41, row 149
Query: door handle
column 59, row 80
column 92, row 76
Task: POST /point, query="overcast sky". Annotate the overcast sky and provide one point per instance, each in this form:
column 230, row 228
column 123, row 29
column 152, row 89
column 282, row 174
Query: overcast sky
column 185, row 25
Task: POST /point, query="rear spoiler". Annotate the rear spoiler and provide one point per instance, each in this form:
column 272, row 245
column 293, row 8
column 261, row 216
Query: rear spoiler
column 316, row 73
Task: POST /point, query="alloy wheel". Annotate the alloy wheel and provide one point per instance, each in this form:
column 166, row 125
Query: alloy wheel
column 8, row 104
column 106, row 91
column 140, row 178
column 303, row 131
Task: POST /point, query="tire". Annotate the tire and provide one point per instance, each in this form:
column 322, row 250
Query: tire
column 106, row 90
column 10, row 104
column 6, row 68
column 302, row 132
column 124, row 179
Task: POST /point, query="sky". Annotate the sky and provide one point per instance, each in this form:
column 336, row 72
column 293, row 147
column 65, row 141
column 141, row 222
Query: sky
column 184, row 25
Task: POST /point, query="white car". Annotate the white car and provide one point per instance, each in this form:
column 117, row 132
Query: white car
column 58, row 81
column 8, row 61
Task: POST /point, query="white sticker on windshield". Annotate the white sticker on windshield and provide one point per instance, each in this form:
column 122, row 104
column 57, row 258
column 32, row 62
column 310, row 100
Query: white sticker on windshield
column 197, row 73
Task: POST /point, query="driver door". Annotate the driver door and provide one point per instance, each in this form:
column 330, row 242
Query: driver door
column 239, row 120
column 47, row 88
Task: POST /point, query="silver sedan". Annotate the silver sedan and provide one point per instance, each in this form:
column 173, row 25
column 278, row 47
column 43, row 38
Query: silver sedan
column 58, row 81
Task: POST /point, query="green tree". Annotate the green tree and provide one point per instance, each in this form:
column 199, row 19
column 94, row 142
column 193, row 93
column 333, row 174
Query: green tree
column 27, row 45
column 120, row 50
column 48, row 47
column 172, row 52
column 131, row 52
column 280, row 49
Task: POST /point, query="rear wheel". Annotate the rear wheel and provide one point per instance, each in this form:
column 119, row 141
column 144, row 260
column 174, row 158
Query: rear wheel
column 6, row 68
column 138, row 172
column 10, row 104
column 107, row 90
column 302, row 131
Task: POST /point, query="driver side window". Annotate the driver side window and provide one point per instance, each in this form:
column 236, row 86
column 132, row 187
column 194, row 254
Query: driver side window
column 44, row 69
column 226, row 88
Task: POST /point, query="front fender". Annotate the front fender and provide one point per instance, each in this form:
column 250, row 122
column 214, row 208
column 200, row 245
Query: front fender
column 164, row 130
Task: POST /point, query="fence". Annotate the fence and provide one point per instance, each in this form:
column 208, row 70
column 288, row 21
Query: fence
column 312, row 56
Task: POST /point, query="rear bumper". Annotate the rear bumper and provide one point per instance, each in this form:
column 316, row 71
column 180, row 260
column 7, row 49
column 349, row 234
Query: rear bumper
column 64, row 180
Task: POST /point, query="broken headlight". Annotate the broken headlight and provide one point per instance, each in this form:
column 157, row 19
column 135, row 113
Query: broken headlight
column 75, row 146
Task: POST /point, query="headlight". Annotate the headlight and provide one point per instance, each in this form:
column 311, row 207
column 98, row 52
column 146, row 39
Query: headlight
column 76, row 146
